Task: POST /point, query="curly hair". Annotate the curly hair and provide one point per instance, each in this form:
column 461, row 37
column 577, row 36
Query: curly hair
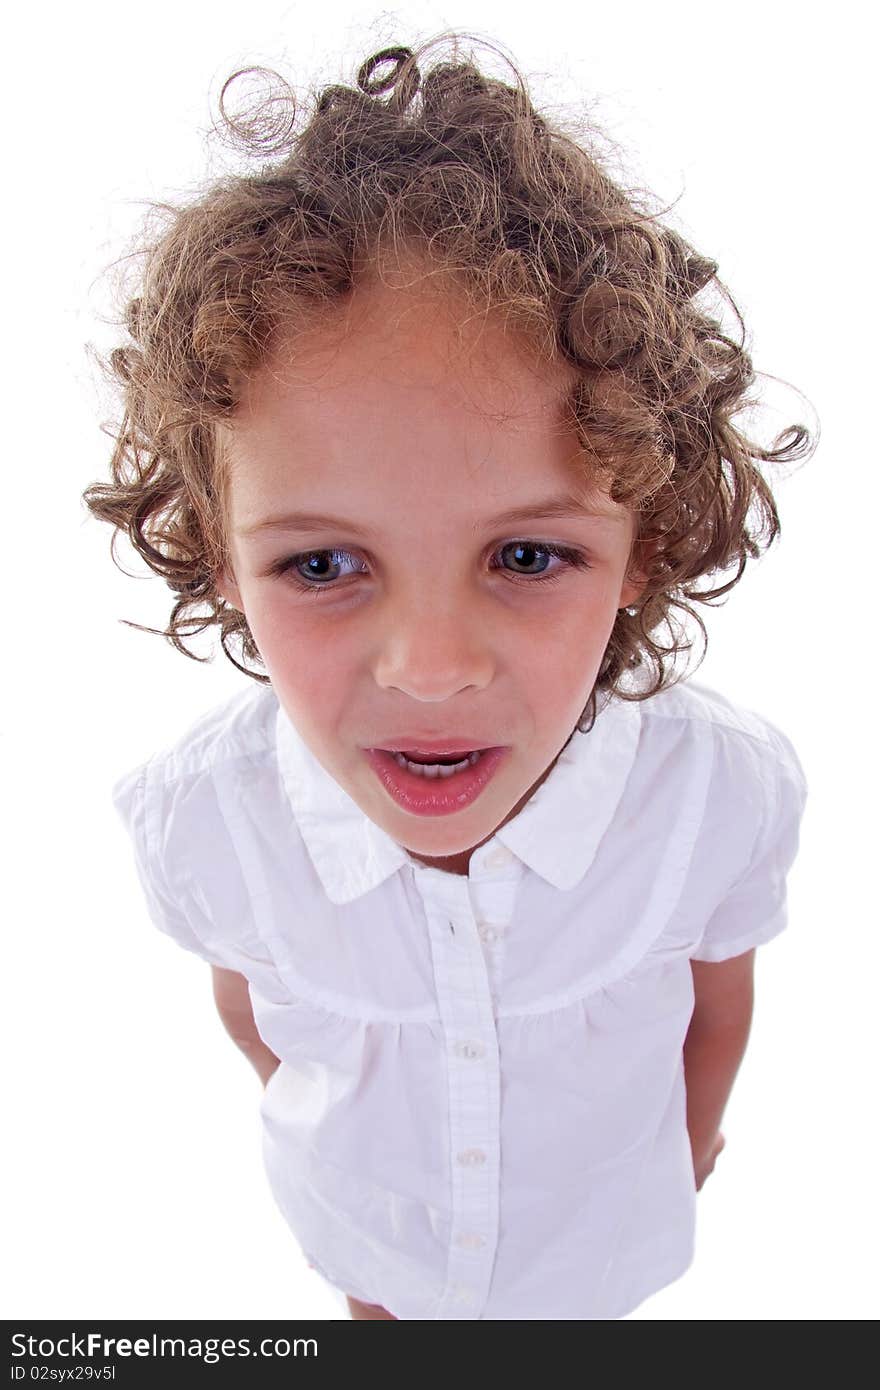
column 529, row 223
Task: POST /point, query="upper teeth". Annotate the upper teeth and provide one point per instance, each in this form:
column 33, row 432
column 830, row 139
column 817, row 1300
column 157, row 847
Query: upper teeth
column 437, row 769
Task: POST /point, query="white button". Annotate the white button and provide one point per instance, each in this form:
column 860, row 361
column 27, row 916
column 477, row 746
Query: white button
column 470, row 1158
column 500, row 855
column 469, row 1049
column 470, row 1240
column 488, row 932
column 462, row 1294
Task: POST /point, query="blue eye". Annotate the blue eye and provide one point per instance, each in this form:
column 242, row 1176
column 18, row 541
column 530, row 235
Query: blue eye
column 568, row 557
column 572, row 558
column 318, row 571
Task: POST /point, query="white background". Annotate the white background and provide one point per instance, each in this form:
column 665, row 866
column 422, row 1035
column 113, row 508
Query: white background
column 131, row 1167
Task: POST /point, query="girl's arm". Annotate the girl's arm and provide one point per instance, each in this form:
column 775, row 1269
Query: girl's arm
column 713, row 1049
column 234, row 1006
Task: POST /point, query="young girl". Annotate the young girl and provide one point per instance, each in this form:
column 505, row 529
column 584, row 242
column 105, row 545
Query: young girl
column 433, row 420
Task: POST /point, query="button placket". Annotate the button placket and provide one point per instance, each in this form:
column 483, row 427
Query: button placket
column 493, row 900
column 465, row 1002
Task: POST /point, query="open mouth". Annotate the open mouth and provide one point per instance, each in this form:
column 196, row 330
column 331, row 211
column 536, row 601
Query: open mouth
column 432, row 765
column 435, row 784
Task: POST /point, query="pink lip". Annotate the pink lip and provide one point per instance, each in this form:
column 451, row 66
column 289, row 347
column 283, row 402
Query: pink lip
column 439, row 796
column 439, row 747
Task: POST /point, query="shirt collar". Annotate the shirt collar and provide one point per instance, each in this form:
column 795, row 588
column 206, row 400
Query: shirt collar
column 556, row 834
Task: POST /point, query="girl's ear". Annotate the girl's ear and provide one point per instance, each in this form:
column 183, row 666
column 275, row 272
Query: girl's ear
column 225, row 584
column 636, row 578
column 631, row 590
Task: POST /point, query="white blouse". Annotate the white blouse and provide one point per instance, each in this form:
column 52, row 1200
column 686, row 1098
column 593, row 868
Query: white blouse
column 480, row 1107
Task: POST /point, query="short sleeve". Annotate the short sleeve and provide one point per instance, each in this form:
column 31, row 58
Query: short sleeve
column 755, row 910
column 134, row 798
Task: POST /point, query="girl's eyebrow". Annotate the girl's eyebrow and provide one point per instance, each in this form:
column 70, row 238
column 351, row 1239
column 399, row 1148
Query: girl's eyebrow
column 540, row 508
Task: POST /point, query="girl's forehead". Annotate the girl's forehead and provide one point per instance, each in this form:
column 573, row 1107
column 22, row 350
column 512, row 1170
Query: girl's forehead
column 413, row 389
column 369, row 452
column 413, row 336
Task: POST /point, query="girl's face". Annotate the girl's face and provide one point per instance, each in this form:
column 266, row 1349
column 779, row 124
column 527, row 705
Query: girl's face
column 414, row 610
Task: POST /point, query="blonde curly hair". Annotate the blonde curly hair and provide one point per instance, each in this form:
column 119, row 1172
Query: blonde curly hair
column 529, row 223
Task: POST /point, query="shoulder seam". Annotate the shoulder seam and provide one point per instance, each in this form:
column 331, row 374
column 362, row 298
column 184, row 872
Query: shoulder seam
column 195, row 753
column 695, row 705
column 703, row 716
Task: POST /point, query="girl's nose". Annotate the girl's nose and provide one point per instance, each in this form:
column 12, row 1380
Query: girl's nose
column 432, row 648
